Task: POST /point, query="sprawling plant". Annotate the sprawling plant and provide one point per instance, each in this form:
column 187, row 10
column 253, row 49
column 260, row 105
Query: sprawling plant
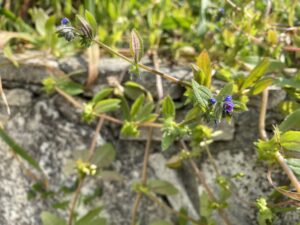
column 208, row 105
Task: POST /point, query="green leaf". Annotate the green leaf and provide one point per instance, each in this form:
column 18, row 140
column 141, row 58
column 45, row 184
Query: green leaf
column 130, row 129
column 162, row 187
column 102, row 94
column 174, row 162
column 291, row 122
column 133, row 89
column 17, row 149
column 168, row 107
column 226, row 90
column 104, row 155
column 9, row 55
column 239, row 106
column 91, row 20
column 256, row 73
column 51, row 219
column 206, row 209
column 294, row 164
column 136, row 46
column 137, row 106
column 288, row 83
column 70, row 87
column 61, row 205
column 203, row 62
column 110, row 175
column 261, row 85
column 39, row 16
column 202, row 94
column 98, row 221
column 89, row 217
column 252, row 61
column 107, row 105
column 266, row 149
column 182, row 220
column 290, row 140
column 264, row 213
column 160, row 222
column 144, row 113
column 199, row 76
column 167, row 140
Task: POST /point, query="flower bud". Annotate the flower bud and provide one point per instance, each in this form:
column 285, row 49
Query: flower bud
column 212, row 101
column 64, row 21
column 228, row 107
column 228, row 98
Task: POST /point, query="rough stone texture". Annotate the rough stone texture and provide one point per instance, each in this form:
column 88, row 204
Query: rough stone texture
column 51, row 130
column 182, row 200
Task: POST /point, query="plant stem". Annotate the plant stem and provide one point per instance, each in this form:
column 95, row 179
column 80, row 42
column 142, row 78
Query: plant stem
column 212, row 160
column 263, row 135
column 178, row 214
column 202, row 181
column 262, row 115
column 74, row 200
column 148, row 145
column 143, row 176
column 81, row 181
column 288, row 171
column 149, row 69
column 77, row 104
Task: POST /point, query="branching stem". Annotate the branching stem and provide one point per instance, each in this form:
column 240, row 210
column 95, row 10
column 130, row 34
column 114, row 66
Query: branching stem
column 263, row 135
column 202, row 181
column 82, row 179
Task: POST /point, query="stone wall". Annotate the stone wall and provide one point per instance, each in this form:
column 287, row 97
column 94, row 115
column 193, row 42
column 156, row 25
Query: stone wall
column 51, row 130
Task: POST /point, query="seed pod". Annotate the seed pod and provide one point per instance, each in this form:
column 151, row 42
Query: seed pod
column 136, row 46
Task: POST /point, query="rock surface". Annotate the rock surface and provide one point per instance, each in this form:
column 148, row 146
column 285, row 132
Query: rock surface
column 51, row 130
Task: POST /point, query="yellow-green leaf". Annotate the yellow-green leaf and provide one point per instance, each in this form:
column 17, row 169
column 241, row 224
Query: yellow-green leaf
column 256, row 73
column 204, row 63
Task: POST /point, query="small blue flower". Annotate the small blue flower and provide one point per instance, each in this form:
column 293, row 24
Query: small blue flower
column 212, row 101
column 228, row 98
column 64, row 21
column 221, row 10
column 228, row 107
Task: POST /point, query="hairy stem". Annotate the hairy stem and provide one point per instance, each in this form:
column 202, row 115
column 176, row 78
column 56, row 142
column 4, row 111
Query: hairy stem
column 149, row 69
column 263, row 135
column 81, row 181
column 148, row 145
column 288, row 171
column 202, row 181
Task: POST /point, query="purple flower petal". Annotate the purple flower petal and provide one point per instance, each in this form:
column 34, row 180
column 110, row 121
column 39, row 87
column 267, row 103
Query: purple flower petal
column 64, row 21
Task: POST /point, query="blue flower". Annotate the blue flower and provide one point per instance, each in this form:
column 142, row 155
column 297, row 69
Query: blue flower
column 228, row 98
column 228, row 106
column 212, row 101
column 64, row 21
column 221, row 10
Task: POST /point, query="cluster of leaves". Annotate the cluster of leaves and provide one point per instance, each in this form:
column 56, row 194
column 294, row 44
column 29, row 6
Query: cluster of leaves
column 244, row 45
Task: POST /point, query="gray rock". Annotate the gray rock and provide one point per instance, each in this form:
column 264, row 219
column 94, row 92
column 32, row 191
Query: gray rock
column 51, row 130
column 181, row 200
